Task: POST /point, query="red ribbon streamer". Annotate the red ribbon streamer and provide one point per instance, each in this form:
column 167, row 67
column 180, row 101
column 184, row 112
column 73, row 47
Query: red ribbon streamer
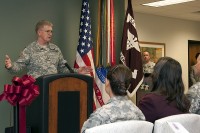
column 22, row 91
column 112, row 32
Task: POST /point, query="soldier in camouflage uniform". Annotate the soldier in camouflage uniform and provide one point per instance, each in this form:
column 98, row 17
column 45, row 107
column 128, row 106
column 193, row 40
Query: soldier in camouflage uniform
column 118, row 108
column 194, row 77
column 148, row 64
column 148, row 67
column 41, row 57
column 194, row 97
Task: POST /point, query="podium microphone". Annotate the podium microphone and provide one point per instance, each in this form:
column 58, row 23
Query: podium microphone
column 70, row 69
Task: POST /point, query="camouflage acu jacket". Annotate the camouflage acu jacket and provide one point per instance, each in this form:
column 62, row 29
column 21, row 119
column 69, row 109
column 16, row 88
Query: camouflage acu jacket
column 117, row 109
column 40, row 60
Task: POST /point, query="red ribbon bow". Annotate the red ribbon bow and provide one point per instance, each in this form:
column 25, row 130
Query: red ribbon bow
column 22, row 91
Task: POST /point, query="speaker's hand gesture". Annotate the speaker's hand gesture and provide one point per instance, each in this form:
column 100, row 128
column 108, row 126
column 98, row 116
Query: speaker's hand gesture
column 85, row 70
column 8, row 63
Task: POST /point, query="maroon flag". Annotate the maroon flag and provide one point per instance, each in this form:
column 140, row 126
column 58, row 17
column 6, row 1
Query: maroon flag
column 130, row 54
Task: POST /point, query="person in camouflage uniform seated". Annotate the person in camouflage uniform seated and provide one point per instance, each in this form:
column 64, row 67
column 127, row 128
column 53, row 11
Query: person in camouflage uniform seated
column 119, row 107
column 194, row 97
column 41, row 57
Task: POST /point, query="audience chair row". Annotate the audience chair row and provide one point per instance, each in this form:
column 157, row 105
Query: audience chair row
column 189, row 122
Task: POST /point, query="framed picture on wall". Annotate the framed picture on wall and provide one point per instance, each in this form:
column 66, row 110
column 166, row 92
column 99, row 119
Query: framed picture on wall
column 156, row 50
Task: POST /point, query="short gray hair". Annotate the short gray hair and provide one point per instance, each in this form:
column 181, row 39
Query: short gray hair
column 42, row 23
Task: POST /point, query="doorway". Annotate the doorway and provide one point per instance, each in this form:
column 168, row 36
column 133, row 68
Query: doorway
column 193, row 48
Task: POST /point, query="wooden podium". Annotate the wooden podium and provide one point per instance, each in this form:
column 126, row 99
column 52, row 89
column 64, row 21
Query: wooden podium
column 64, row 103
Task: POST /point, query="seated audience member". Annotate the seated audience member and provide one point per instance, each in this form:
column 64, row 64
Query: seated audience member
column 194, row 77
column 118, row 108
column 193, row 95
column 167, row 96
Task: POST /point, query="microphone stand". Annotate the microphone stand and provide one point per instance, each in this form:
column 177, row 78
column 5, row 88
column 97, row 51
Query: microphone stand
column 68, row 67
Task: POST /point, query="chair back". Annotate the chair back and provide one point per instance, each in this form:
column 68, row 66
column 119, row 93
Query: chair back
column 132, row 126
column 191, row 122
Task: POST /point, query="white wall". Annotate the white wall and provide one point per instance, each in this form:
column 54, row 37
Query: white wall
column 175, row 33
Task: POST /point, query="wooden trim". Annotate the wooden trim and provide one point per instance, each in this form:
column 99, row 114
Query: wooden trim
column 66, row 84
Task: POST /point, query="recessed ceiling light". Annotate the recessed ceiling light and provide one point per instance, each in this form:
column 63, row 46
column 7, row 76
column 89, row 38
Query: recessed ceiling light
column 166, row 2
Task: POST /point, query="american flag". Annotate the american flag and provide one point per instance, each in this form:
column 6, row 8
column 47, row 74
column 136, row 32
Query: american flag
column 84, row 55
column 130, row 55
